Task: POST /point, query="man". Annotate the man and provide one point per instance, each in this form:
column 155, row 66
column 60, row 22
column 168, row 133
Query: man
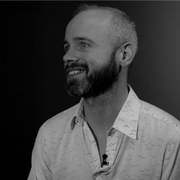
column 111, row 134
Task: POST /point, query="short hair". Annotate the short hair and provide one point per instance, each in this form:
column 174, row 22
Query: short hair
column 122, row 29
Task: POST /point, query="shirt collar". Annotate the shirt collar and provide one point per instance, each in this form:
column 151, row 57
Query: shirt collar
column 127, row 119
column 79, row 113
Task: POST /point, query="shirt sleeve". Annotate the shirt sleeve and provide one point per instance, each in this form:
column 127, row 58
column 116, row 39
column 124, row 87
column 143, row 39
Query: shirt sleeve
column 171, row 165
column 39, row 162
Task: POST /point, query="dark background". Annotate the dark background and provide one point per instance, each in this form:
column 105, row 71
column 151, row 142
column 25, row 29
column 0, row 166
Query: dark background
column 34, row 76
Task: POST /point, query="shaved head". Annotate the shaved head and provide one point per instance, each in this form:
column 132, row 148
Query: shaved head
column 122, row 29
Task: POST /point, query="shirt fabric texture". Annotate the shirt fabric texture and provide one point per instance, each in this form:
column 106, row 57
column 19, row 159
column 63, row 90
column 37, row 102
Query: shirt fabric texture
column 142, row 144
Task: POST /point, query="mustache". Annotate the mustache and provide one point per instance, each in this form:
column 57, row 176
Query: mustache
column 76, row 65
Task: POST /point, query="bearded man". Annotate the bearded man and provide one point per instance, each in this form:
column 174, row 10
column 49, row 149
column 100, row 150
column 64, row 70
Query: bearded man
column 111, row 134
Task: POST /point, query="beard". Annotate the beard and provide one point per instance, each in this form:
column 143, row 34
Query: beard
column 97, row 82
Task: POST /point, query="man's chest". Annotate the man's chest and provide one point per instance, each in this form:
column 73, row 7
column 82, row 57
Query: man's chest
column 77, row 157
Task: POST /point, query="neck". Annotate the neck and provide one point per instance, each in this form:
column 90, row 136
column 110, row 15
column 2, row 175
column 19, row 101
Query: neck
column 101, row 112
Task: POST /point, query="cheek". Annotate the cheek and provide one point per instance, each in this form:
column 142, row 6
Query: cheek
column 99, row 59
column 93, row 65
column 93, row 62
column 96, row 59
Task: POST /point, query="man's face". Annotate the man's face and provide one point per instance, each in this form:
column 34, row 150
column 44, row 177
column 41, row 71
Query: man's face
column 90, row 64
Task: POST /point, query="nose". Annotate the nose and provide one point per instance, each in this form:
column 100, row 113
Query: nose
column 70, row 56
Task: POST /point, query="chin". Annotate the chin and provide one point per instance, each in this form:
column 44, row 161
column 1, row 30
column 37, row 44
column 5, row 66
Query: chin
column 76, row 88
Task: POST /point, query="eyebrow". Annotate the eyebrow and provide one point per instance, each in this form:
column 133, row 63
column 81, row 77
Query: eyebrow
column 83, row 39
column 80, row 39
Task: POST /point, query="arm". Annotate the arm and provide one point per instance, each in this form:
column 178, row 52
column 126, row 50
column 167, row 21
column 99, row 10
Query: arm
column 40, row 169
column 171, row 165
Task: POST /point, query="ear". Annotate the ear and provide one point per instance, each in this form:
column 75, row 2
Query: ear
column 125, row 54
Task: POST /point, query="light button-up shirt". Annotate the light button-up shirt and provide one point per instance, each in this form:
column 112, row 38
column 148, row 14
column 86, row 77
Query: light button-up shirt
column 143, row 144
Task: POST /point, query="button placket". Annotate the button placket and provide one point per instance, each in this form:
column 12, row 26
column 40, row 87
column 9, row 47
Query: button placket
column 111, row 145
column 93, row 146
column 101, row 174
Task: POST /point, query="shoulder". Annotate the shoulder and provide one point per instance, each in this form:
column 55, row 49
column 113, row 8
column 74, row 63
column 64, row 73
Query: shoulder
column 159, row 114
column 159, row 120
column 57, row 125
column 62, row 118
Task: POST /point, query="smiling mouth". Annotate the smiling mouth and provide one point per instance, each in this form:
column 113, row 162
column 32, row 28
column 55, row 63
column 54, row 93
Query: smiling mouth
column 74, row 72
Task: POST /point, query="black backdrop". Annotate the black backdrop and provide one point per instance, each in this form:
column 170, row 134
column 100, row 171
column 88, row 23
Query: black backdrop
column 34, row 76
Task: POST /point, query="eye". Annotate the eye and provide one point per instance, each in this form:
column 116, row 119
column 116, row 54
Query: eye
column 66, row 47
column 83, row 46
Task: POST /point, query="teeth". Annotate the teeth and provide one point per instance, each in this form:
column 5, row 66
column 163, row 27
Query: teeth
column 75, row 72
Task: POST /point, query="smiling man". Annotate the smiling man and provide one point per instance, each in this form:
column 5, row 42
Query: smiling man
column 111, row 134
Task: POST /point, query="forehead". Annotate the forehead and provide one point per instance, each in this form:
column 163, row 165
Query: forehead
column 93, row 24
